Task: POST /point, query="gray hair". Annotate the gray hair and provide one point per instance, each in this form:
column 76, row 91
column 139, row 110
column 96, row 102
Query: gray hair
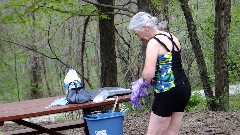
column 144, row 19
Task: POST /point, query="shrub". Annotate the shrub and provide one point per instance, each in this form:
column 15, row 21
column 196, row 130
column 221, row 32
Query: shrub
column 195, row 100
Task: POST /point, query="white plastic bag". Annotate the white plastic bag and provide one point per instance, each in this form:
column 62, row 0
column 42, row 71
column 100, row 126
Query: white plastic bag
column 70, row 77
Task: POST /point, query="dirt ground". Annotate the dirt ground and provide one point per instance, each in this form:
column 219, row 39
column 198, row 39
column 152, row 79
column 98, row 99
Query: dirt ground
column 194, row 123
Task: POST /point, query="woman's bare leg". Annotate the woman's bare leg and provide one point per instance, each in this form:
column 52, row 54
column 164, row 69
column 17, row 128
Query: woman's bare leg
column 175, row 124
column 157, row 124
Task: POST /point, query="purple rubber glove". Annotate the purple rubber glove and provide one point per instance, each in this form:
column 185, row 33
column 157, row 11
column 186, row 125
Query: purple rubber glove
column 139, row 90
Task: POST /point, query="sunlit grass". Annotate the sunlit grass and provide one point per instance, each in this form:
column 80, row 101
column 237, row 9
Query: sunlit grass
column 234, row 102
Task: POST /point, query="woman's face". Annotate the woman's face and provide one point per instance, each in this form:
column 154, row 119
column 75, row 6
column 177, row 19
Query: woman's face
column 141, row 35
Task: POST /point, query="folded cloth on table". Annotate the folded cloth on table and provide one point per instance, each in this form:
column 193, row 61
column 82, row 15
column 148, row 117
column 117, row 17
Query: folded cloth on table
column 113, row 91
column 139, row 90
column 59, row 101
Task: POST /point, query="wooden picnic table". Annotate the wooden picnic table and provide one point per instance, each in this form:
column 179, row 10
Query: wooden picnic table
column 17, row 111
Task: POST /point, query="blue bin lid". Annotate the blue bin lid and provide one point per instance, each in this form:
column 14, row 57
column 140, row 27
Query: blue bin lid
column 107, row 115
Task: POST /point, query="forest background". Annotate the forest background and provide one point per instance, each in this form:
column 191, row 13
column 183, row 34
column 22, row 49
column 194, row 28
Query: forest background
column 40, row 39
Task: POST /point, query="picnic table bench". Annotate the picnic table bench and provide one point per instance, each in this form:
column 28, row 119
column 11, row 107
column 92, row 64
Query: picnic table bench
column 17, row 111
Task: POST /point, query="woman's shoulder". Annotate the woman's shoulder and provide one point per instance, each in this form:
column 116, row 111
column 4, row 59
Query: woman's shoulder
column 170, row 35
column 166, row 38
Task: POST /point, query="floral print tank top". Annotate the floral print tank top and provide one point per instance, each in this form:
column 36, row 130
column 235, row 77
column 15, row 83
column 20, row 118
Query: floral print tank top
column 164, row 77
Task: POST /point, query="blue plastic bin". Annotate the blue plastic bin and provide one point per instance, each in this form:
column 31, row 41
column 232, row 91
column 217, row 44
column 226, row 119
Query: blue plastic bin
column 110, row 123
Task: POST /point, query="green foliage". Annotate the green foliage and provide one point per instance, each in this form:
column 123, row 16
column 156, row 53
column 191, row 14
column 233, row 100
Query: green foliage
column 234, row 101
column 234, row 52
column 23, row 8
column 128, row 107
column 60, row 118
column 64, row 20
column 104, row 17
column 68, row 116
column 195, row 100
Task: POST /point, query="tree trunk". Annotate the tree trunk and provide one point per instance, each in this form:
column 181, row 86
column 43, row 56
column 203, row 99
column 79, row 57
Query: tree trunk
column 198, row 54
column 222, row 24
column 81, row 48
column 35, row 76
column 35, row 68
column 107, row 45
column 49, row 91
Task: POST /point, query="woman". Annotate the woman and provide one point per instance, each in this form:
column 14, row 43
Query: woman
column 163, row 67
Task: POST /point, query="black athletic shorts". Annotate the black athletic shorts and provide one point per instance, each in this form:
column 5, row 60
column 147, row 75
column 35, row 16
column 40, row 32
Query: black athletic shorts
column 173, row 100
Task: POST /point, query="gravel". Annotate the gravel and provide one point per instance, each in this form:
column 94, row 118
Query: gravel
column 194, row 123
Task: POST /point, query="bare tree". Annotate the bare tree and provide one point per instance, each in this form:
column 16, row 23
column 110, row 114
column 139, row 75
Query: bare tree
column 35, row 66
column 107, row 45
column 222, row 25
column 192, row 31
column 81, row 46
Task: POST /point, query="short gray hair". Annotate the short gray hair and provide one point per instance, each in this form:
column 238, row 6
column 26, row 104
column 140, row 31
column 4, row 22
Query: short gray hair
column 144, row 19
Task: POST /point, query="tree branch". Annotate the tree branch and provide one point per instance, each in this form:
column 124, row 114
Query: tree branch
column 55, row 58
column 109, row 6
column 122, row 38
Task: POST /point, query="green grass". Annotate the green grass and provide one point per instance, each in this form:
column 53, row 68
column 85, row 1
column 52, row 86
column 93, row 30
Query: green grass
column 199, row 103
column 128, row 107
column 196, row 102
column 234, row 102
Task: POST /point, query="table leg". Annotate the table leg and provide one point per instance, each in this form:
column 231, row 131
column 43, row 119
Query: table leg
column 36, row 127
column 86, row 112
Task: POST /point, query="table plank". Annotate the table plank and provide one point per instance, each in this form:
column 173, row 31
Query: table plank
column 26, row 109
column 27, row 103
